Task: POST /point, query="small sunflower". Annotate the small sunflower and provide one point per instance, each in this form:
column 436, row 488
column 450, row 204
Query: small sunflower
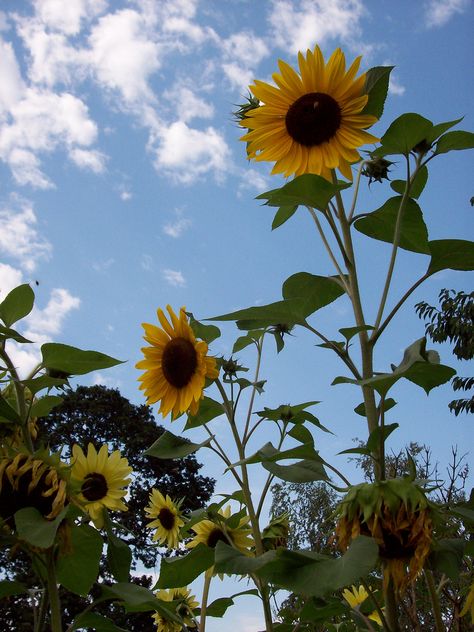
column 184, row 609
column 397, row 514
column 102, row 479
column 167, row 516
column 175, row 366
column 209, row 532
column 355, row 597
column 310, row 122
column 28, row 481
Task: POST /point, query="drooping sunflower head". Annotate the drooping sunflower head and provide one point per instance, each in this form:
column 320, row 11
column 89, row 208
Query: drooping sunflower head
column 223, row 528
column 167, row 519
column 31, row 481
column 101, row 480
column 176, row 365
column 186, row 604
column 397, row 514
column 311, row 122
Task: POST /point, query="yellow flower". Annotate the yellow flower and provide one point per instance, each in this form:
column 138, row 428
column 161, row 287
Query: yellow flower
column 355, row 597
column 27, row 481
column 167, row 521
column 310, row 122
column 209, row 532
column 184, row 609
column 102, row 479
column 469, row 604
column 176, row 365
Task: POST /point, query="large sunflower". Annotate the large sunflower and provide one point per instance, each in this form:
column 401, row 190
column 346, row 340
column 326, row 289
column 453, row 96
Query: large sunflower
column 310, row 122
column 176, row 365
column 167, row 516
column 184, row 609
column 210, row 532
column 102, row 480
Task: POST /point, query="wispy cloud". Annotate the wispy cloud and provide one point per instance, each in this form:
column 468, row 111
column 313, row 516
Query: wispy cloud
column 178, row 227
column 146, row 262
column 174, row 277
column 439, row 12
column 9, row 278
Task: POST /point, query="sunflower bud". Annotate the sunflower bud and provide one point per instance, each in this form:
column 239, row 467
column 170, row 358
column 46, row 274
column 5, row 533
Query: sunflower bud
column 250, row 104
column 275, row 535
column 377, row 169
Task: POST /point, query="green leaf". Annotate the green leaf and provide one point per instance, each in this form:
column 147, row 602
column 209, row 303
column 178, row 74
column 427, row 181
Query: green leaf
column 417, row 185
column 242, row 342
column 136, row 598
column 380, row 433
column 9, row 588
column 404, row 134
column 451, row 254
column 119, row 557
column 289, row 312
column 208, row 333
column 304, row 471
column 169, row 446
column 387, row 405
column 45, row 405
column 283, row 215
column 72, row 361
column 233, row 562
column 312, row 290
column 440, row 128
column 376, row 86
column 10, row 334
column 350, row 332
column 301, row 434
column 35, row 529
column 78, row 569
column 456, row 140
column 218, row 607
column 181, row 571
column 307, row 190
column 446, row 556
column 17, row 304
column 208, row 409
column 380, row 224
column 37, row 384
column 7, row 412
column 97, row 622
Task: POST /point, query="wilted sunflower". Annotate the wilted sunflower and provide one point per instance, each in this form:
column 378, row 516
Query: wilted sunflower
column 176, row 365
column 397, row 514
column 310, row 122
column 210, row 532
column 355, row 597
column 102, row 479
column 167, row 516
column 28, row 481
column 184, row 609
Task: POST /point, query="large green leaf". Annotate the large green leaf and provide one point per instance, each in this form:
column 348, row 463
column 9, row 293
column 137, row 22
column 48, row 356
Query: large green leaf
column 78, row 569
column 417, row 186
column 35, row 529
column 17, row 304
column 208, row 333
column 119, row 557
column 456, row 140
column 447, row 555
column 219, row 607
column 180, row 571
column 7, row 412
column 231, row 561
column 451, row 254
column 72, row 361
column 441, row 128
column 136, row 599
column 9, row 588
column 288, row 312
column 37, row 384
column 169, row 446
column 283, row 215
column 404, row 134
column 305, row 471
column 95, row 621
column 376, row 86
column 313, row 290
column 6, row 333
column 381, row 225
column 208, row 409
column 43, row 406
column 307, row 190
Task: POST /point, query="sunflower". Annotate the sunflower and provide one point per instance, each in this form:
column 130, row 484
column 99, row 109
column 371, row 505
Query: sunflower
column 27, row 481
column 397, row 514
column 184, row 609
column 176, row 365
column 102, row 479
column 167, row 516
column 310, row 122
column 355, row 597
column 209, row 532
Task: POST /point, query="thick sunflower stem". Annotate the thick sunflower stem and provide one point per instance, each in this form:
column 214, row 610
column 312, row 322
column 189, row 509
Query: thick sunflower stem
column 434, row 597
column 54, row 602
column 391, row 606
column 205, row 597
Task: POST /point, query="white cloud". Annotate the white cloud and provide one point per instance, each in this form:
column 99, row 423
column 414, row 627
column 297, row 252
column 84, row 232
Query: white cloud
column 188, row 105
column 105, row 380
column 103, row 266
column 245, row 47
column 67, row 16
column 186, row 154
column 19, row 238
column 146, row 262
column 11, row 86
column 395, row 87
column 176, row 229
column 125, row 195
column 174, row 277
column 92, row 160
column 301, row 25
column 9, row 278
column 252, row 179
column 438, row 12
column 239, row 77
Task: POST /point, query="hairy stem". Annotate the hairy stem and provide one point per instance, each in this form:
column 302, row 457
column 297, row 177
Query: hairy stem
column 54, row 603
column 434, row 600
column 205, row 597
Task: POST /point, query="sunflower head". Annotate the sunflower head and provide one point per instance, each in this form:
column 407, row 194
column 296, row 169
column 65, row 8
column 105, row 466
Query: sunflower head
column 355, row 597
column 31, row 481
column 167, row 518
column 232, row 530
column 185, row 605
column 176, row 365
column 397, row 514
column 275, row 535
column 101, row 480
column 311, row 121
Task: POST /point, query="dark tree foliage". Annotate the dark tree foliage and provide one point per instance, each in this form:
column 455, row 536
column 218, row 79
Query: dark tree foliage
column 453, row 322
column 101, row 415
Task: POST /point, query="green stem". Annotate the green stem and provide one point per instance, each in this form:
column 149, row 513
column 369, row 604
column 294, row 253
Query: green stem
column 205, row 597
column 356, row 190
column 434, row 600
column 54, row 603
column 376, row 603
column 391, row 607
column 40, row 616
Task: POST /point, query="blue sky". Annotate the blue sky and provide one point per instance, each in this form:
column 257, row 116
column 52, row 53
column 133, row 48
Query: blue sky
column 123, row 185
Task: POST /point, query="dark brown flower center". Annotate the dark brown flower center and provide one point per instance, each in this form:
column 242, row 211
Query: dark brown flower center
column 94, row 487
column 313, row 119
column 216, row 535
column 179, row 362
column 167, row 518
